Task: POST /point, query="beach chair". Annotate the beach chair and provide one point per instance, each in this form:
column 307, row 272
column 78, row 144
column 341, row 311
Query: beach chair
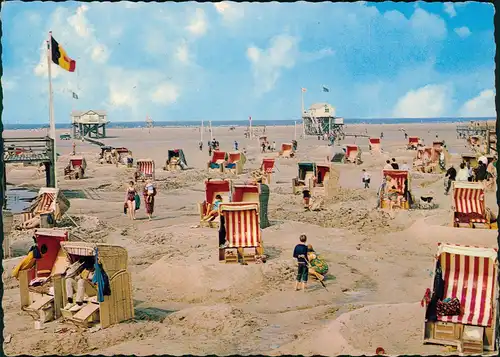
column 40, row 288
column 240, row 225
column 326, row 180
column 469, row 274
column 216, row 163
column 49, row 202
column 470, row 159
column 122, row 155
column 286, row 150
column 76, row 168
column 235, row 163
column 474, row 142
column 175, row 160
column 119, row 305
column 400, row 179
column 256, row 193
column 212, row 189
column 262, row 140
column 469, row 209
column 374, row 144
column 305, row 177
column 145, row 169
column 413, row 142
column 423, row 159
column 352, row 154
column 267, row 169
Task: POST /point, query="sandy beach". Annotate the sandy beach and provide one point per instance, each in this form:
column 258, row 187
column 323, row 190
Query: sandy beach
column 186, row 302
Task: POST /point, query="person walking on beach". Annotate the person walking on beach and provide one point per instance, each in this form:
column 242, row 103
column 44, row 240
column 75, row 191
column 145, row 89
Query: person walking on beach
column 405, row 166
column 388, row 165
column 209, row 150
column 235, row 145
column 394, row 164
column 300, row 253
column 201, row 145
column 450, row 176
column 366, row 179
column 463, row 173
column 149, row 198
column 130, row 200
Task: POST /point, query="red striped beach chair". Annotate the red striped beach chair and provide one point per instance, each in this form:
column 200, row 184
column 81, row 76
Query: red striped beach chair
column 234, row 163
column 212, row 189
column 145, row 170
column 286, row 150
column 375, row 145
column 267, row 168
column 469, row 209
column 396, row 178
column 242, row 232
column 413, row 142
column 49, row 200
column 216, row 163
column 470, row 274
column 352, row 154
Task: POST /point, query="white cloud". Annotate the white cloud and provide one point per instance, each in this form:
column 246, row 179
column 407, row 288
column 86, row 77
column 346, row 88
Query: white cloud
column 79, row 22
column 8, row 84
column 100, row 53
column 427, row 101
column 198, row 23
column 268, row 64
column 426, row 25
column 182, row 53
column 463, row 31
column 449, row 8
column 481, row 106
column 230, row 11
column 165, row 93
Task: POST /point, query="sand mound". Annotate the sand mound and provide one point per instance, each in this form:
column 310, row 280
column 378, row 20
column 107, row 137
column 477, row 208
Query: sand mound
column 220, row 319
column 90, row 228
column 182, row 278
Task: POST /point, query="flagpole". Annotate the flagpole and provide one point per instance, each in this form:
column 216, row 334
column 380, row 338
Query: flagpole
column 295, row 130
column 250, row 127
column 51, row 106
column 201, row 131
column 211, row 134
column 302, row 114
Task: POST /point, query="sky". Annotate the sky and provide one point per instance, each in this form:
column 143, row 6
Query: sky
column 228, row 61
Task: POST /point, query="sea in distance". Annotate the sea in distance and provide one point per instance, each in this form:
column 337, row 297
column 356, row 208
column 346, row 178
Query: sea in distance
column 255, row 122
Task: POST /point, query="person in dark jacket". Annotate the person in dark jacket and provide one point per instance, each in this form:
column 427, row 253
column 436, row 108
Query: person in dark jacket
column 481, row 172
column 450, row 176
column 300, row 253
column 394, row 164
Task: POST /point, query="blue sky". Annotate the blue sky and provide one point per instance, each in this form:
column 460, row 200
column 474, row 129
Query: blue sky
column 227, row 61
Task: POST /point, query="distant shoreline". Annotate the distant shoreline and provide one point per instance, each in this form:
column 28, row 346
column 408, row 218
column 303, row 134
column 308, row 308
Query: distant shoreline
column 244, row 123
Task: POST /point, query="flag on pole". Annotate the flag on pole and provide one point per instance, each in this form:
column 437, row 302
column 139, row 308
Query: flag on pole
column 60, row 57
column 326, row 90
column 75, row 96
column 304, row 90
column 250, row 118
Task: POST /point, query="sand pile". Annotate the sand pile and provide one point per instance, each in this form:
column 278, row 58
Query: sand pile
column 90, row 228
column 182, row 278
column 220, row 320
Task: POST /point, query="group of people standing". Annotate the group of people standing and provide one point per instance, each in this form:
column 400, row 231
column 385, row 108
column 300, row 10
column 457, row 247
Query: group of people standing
column 484, row 172
column 133, row 200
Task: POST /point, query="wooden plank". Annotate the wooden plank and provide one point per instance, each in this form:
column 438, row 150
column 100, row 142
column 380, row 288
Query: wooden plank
column 86, row 312
column 38, row 304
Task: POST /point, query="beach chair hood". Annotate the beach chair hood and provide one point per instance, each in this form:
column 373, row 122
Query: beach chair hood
column 51, row 200
column 177, row 153
column 212, row 187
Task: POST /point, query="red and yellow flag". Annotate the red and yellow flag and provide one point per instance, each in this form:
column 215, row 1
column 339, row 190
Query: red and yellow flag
column 60, row 57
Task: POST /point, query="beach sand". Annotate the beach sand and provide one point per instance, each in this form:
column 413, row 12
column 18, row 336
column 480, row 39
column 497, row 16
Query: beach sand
column 188, row 303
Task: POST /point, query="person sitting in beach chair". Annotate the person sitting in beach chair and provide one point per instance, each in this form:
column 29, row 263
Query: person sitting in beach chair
column 306, row 194
column 78, row 275
column 394, row 197
column 214, row 212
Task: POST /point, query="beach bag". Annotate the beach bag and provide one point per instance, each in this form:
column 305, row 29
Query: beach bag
column 448, row 307
column 137, row 201
column 124, row 208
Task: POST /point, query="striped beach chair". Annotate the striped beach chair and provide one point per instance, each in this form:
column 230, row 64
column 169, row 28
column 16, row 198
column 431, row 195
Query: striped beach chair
column 398, row 179
column 49, row 200
column 216, row 163
column 286, row 150
column 145, row 170
column 267, row 168
column 470, row 274
column 352, row 154
column 375, row 145
column 212, row 189
column 413, row 142
column 234, row 163
column 469, row 209
column 240, row 223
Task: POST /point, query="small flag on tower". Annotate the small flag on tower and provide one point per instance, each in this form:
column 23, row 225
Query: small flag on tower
column 326, row 90
column 75, row 96
column 60, row 57
column 304, row 90
column 250, row 118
